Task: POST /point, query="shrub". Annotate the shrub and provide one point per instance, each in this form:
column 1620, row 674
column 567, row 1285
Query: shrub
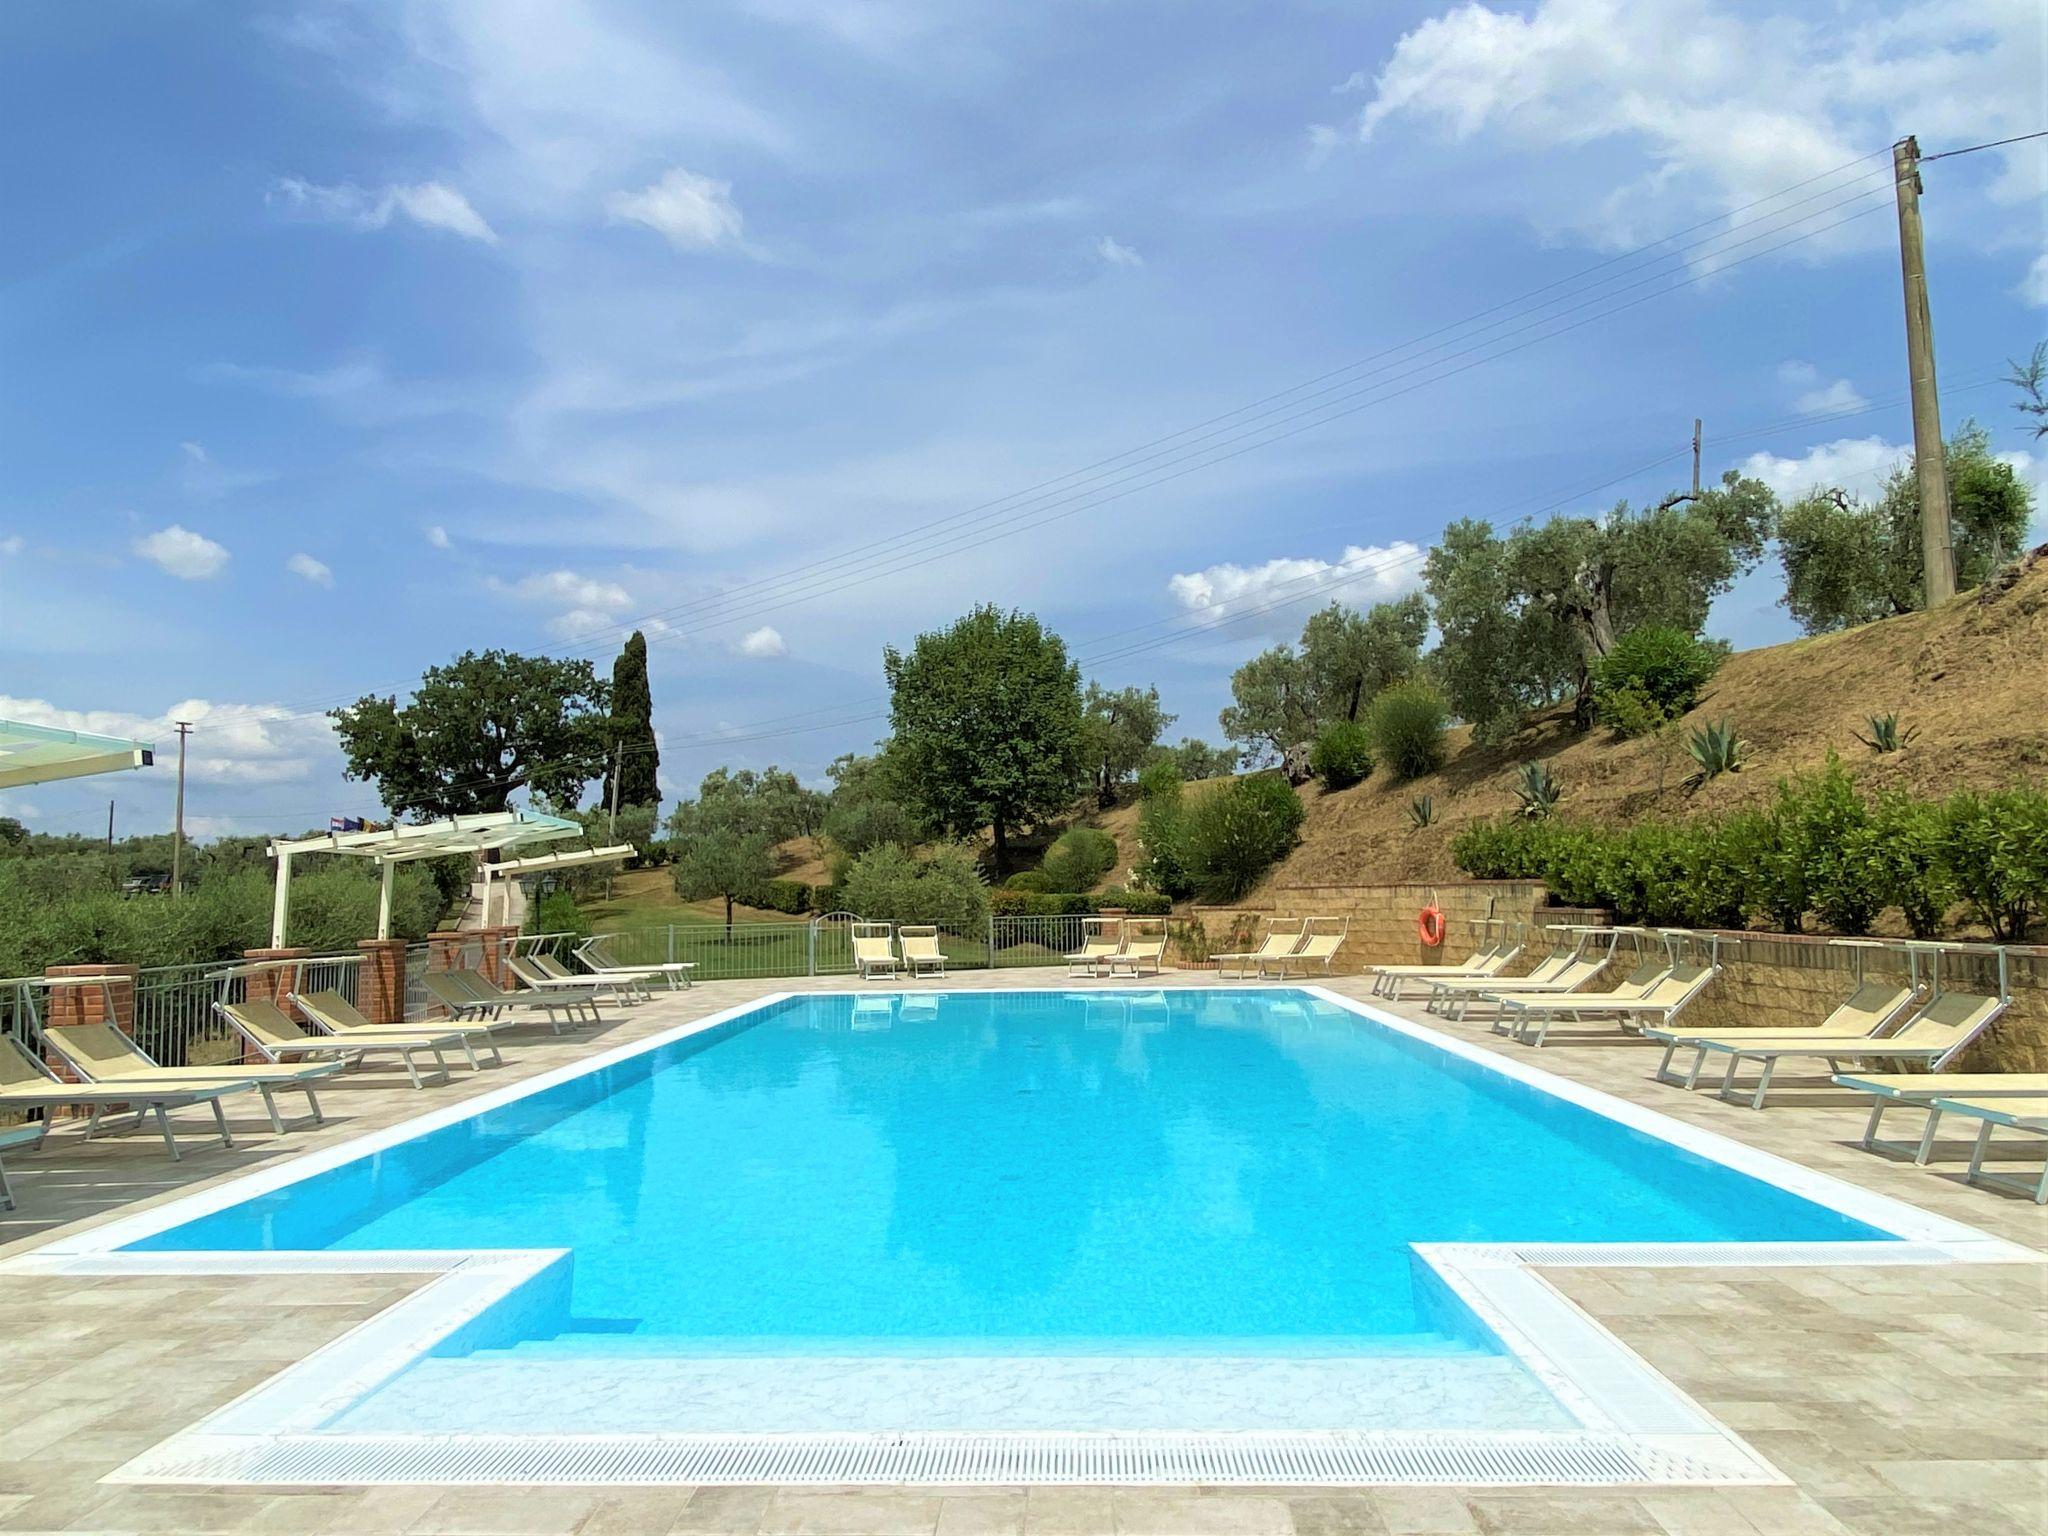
column 1237, row 832
column 1147, row 903
column 1538, row 790
column 886, row 884
column 1163, row 837
column 1826, row 828
column 1996, row 847
column 1653, row 674
column 791, row 896
column 1422, row 811
column 1028, row 880
column 1405, row 725
column 1342, row 755
column 1159, row 777
column 1906, row 864
column 1007, row 903
column 1715, row 749
column 557, row 912
column 1078, row 858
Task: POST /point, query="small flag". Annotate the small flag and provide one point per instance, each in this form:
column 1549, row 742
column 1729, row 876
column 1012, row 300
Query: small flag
column 344, row 823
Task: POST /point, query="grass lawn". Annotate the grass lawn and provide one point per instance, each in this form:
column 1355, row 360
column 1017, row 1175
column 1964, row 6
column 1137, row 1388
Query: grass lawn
column 646, row 898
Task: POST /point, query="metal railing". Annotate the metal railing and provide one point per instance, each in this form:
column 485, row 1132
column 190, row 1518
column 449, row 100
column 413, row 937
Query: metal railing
column 763, row 951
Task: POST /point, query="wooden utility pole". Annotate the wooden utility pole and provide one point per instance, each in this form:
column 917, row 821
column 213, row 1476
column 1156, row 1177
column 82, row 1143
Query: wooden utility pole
column 1695, row 456
column 1937, row 559
column 178, row 838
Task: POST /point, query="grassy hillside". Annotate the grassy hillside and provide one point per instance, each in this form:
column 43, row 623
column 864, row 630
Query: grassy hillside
column 1972, row 676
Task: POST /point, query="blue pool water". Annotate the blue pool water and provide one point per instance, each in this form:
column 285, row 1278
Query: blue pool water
column 1212, row 1172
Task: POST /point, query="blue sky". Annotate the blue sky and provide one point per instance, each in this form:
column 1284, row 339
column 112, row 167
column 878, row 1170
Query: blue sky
column 342, row 337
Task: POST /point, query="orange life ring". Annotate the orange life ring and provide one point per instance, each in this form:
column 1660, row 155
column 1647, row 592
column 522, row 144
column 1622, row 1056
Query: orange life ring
column 1429, row 925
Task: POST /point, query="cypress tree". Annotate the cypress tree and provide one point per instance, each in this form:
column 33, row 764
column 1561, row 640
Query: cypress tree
column 633, row 728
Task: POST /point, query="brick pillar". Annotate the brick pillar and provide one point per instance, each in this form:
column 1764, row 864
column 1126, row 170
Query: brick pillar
column 270, row 986
column 380, row 981
column 491, row 941
column 87, row 1004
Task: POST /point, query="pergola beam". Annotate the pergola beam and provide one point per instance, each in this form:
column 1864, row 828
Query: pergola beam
column 39, row 754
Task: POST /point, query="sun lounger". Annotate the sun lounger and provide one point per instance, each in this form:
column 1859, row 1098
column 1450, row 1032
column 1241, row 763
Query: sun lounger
column 1390, row 981
column 2007, row 1113
column 1277, row 943
column 873, row 954
column 1860, row 1016
column 1546, row 970
column 1934, row 1035
column 12, row 1136
column 595, row 954
column 1919, row 1090
column 492, row 1000
column 279, row 1037
column 1454, row 999
column 1319, row 945
column 545, row 975
column 27, row 1084
column 330, row 1011
column 101, row 1053
column 920, row 950
column 1141, row 955
column 1101, row 937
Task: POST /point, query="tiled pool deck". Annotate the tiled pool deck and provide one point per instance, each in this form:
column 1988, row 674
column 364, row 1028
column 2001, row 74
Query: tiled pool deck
column 1897, row 1399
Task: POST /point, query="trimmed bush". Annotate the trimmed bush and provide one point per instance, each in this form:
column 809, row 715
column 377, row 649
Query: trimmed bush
column 1652, row 675
column 888, row 885
column 1008, row 903
column 1146, row 903
column 791, row 896
column 1342, row 754
column 1996, row 846
column 1028, row 880
column 1078, row 858
column 1405, row 726
column 1236, row 833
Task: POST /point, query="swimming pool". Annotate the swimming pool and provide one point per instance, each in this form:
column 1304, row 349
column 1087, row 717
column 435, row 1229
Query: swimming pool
column 1197, row 1210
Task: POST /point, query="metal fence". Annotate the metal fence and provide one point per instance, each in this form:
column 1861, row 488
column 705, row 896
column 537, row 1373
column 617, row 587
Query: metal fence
column 762, row 951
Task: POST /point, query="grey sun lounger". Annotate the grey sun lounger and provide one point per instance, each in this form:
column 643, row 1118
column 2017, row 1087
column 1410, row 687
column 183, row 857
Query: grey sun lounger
column 468, row 995
column 27, row 1084
column 544, row 974
column 12, row 1136
column 330, row 1011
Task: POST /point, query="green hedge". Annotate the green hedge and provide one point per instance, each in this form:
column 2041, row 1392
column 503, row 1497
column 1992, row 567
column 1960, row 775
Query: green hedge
column 791, row 896
column 1821, row 850
column 1012, row 903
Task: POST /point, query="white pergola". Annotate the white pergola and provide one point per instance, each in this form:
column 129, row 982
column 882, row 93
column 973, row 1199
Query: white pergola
column 547, row 863
column 37, row 754
column 394, row 846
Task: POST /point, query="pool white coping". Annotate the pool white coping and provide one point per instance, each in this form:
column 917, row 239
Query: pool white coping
column 1637, row 1426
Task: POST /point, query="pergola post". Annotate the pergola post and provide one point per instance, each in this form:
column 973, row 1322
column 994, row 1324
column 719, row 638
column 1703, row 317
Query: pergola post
column 386, row 874
column 281, row 903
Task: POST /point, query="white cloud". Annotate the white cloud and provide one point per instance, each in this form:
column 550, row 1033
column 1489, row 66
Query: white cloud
column 1361, row 576
column 1723, row 106
column 315, row 571
column 1812, row 397
column 2033, row 287
column 1116, row 253
column 765, row 641
column 12, row 544
column 230, row 744
column 691, row 212
column 182, row 553
column 586, row 603
column 432, row 204
column 438, row 537
column 1856, row 464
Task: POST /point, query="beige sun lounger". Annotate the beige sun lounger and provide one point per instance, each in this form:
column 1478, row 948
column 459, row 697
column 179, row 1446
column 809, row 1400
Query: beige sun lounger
column 1101, row 938
column 1454, row 999
column 330, row 1011
column 279, row 1037
column 1319, row 946
column 101, row 1053
column 1860, row 1016
column 1390, row 981
column 1140, row 955
column 1277, row 943
column 1919, row 1090
column 1659, row 999
column 1935, row 1035
column 920, row 949
column 26, row 1084
column 543, row 974
column 1541, row 974
column 12, row 1136
column 873, row 954
column 2015, row 1113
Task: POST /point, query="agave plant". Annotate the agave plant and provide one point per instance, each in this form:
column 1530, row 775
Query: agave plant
column 1885, row 735
column 1716, row 749
column 1422, row 811
column 1538, row 790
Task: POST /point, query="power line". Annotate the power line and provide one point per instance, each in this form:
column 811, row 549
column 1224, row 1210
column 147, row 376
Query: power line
column 1971, row 149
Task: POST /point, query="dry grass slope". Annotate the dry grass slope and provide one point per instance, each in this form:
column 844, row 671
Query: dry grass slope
column 1972, row 676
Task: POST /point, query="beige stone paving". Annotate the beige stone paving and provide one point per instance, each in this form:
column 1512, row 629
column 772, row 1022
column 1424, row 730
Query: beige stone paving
column 1899, row 1400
